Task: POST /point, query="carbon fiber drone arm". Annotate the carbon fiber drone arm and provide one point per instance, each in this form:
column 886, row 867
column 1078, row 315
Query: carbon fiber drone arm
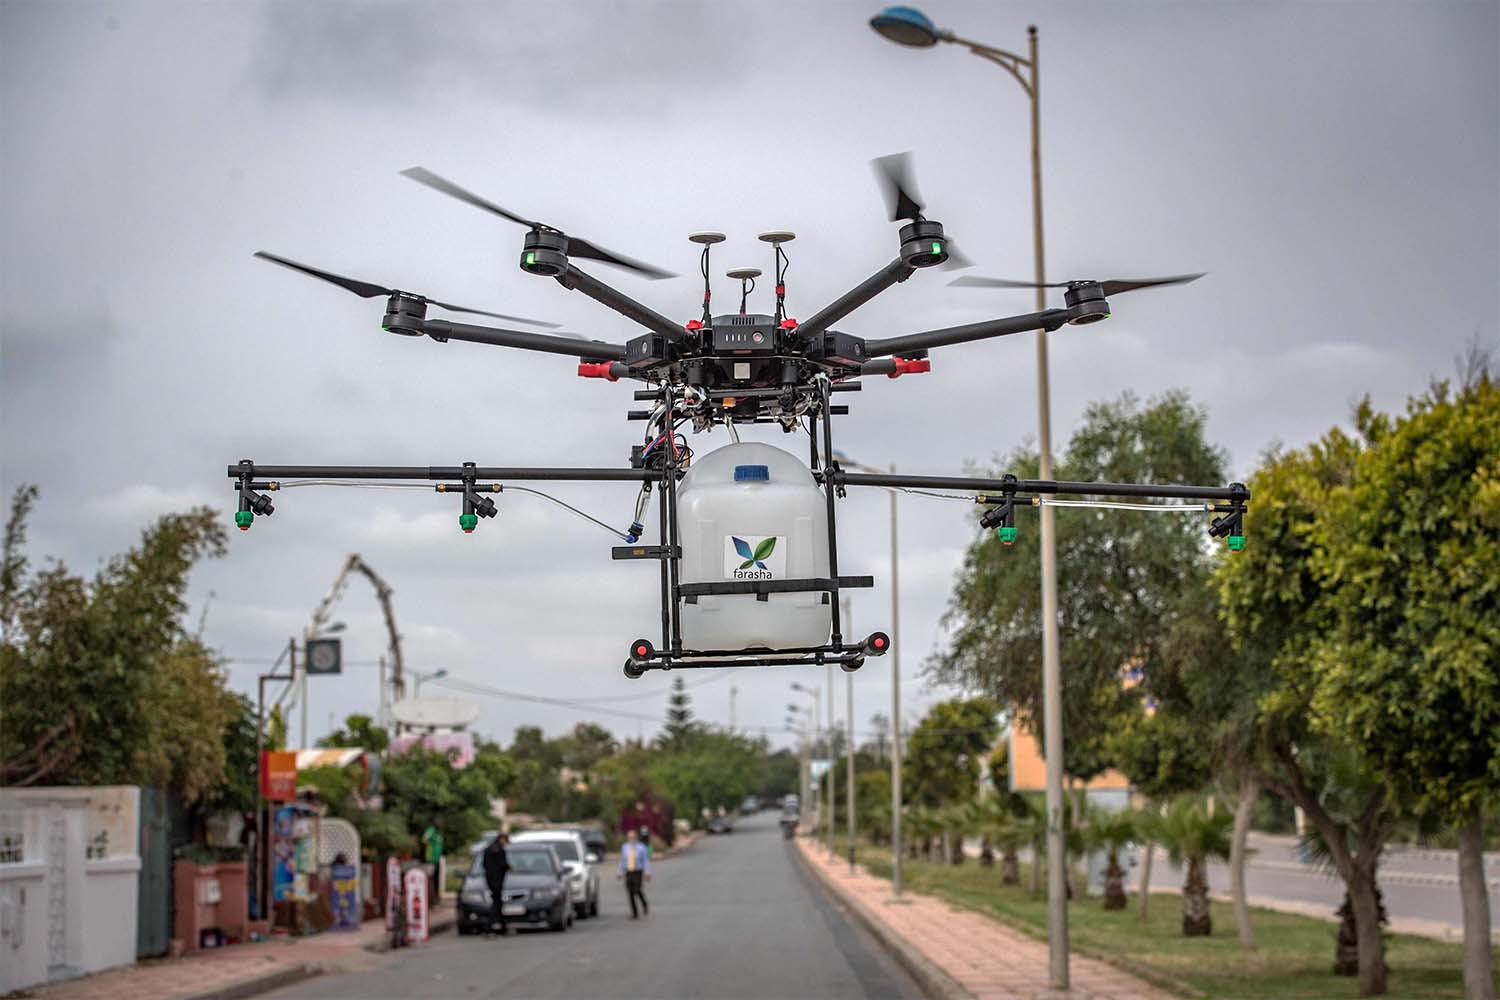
column 1049, row 320
column 443, row 330
column 621, row 303
column 893, row 273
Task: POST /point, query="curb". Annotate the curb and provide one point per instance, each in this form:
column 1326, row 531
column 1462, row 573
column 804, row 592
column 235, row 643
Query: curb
column 933, row 981
column 261, row 984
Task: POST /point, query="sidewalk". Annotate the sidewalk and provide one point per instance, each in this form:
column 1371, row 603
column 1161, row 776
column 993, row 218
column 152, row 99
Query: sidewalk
column 241, row 970
column 956, row 954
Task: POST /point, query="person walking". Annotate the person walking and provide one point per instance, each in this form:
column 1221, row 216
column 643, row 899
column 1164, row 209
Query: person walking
column 496, row 867
column 635, row 868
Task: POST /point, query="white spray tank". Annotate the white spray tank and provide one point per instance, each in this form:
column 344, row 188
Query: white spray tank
column 752, row 512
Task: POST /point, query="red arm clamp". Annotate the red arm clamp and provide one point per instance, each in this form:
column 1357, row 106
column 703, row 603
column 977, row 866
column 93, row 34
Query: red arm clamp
column 905, row 366
column 611, row 370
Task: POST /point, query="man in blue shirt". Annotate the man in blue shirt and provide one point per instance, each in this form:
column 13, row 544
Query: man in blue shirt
column 635, row 867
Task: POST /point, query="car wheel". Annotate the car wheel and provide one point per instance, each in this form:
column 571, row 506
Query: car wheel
column 594, row 907
column 559, row 920
column 464, row 931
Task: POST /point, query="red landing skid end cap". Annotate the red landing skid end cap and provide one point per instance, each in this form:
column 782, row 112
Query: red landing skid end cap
column 789, row 324
column 693, row 324
column 602, row 369
column 908, row 367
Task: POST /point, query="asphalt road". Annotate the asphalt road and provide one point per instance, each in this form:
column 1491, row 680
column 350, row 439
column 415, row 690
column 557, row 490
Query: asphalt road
column 1416, row 885
column 734, row 917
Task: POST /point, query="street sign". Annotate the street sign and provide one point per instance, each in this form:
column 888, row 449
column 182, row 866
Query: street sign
column 325, row 656
column 278, row 775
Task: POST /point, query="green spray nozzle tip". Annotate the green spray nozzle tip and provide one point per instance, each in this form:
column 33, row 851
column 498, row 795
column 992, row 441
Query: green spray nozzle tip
column 243, row 519
column 468, row 522
column 1007, row 535
column 1236, row 543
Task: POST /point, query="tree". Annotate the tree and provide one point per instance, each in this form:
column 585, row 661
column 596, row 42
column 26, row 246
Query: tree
column 1117, row 577
column 1109, row 831
column 358, row 731
column 945, row 749
column 101, row 682
column 680, row 726
column 1192, row 836
column 709, row 770
column 1410, row 672
column 1277, row 615
column 586, row 745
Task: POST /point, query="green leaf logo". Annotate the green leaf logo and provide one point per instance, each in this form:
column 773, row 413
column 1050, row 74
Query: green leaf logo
column 764, row 549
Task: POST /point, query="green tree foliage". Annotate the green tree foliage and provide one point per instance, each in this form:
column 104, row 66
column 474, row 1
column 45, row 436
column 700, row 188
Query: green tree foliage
column 710, row 770
column 1409, row 673
column 945, row 750
column 1278, row 616
column 1410, row 559
column 423, row 787
column 680, row 726
column 358, row 731
column 1119, row 575
column 101, row 682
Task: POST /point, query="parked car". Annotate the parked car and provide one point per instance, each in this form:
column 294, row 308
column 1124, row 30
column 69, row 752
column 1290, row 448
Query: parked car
column 582, row 875
column 535, row 893
column 595, row 842
column 721, row 823
column 750, row 806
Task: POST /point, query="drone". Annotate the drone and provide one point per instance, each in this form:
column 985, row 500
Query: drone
column 763, row 512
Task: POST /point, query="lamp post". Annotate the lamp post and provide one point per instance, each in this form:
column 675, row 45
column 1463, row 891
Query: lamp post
column 909, row 26
column 804, row 750
column 895, row 630
column 426, row 675
column 817, row 713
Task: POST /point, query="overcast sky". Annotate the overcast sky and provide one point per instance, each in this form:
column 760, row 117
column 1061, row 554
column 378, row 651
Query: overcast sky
column 1332, row 166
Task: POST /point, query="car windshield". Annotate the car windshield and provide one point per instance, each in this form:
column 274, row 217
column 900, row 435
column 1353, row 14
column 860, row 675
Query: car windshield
column 535, row 860
column 532, row 862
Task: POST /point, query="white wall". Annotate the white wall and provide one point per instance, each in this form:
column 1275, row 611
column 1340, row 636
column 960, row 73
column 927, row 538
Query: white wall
column 63, row 913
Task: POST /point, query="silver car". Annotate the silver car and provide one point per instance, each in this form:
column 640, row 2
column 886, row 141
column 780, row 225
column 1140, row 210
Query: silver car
column 581, row 865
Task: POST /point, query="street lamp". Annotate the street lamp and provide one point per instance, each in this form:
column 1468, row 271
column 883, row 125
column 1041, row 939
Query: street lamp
column 804, row 753
column 422, row 675
column 910, row 27
column 817, row 697
column 844, row 459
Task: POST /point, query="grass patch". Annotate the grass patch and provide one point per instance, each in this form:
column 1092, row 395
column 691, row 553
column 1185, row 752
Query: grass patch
column 1292, row 960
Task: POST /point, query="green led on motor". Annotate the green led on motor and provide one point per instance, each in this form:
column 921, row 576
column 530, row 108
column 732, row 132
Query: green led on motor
column 1236, row 543
column 531, row 258
column 468, row 522
column 1007, row 535
column 937, row 249
column 243, row 519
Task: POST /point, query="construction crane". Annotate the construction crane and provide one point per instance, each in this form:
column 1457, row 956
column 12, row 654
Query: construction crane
column 324, row 612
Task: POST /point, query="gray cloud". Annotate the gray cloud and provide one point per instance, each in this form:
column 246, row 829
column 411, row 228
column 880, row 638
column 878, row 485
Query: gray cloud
column 1331, row 166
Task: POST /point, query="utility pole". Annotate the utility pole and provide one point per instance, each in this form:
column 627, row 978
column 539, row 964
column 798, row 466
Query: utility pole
column 849, row 749
column 895, row 705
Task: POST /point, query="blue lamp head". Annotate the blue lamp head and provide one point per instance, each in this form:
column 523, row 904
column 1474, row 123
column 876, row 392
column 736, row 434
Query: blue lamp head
column 906, row 26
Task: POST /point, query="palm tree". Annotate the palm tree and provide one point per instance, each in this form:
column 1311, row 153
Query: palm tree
column 1110, row 831
column 1031, row 826
column 922, row 826
column 1192, row 836
column 1002, row 828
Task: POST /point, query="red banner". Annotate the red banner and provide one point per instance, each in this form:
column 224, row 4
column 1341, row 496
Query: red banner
column 278, row 775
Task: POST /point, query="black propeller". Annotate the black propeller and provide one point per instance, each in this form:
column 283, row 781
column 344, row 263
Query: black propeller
column 1113, row 286
column 370, row 290
column 894, row 175
column 577, row 246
